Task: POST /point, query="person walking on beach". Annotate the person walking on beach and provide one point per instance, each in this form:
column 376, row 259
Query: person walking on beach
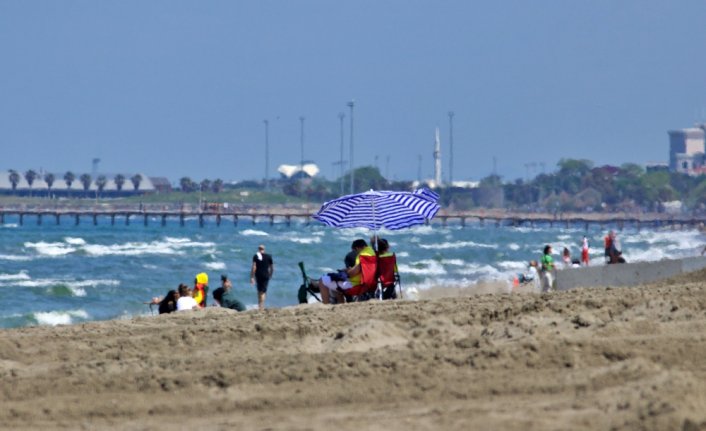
column 261, row 272
column 547, row 269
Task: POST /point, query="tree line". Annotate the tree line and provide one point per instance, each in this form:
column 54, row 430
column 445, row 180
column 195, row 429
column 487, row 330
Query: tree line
column 70, row 178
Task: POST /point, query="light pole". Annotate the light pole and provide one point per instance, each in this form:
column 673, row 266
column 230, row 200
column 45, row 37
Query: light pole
column 341, row 116
column 451, row 148
column 301, row 141
column 351, row 104
column 267, row 154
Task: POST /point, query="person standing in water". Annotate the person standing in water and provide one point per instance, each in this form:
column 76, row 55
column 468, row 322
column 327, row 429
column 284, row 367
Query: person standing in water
column 261, row 272
column 584, row 251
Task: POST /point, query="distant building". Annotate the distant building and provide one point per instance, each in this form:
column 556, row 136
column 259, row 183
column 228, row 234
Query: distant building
column 307, row 170
column 686, row 150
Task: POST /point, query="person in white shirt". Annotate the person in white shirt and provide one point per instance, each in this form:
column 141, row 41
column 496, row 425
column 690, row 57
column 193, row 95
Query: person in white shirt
column 186, row 301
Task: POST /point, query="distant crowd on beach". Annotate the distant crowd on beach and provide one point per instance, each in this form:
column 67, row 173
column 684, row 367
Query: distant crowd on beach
column 187, row 298
column 369, row 271
column 542, row 274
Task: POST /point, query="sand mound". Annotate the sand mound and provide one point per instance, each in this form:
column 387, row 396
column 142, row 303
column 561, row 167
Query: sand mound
column 628, row 358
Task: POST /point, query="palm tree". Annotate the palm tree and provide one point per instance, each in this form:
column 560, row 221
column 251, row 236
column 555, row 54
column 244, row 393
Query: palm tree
column 49, row 179
column 186, row 184
column 136, row 180
column 86, row 181
column 119, row 181
column 14, row 178
column 101, row 181
column 30, row 176
column 217, row 185
column 69, row 178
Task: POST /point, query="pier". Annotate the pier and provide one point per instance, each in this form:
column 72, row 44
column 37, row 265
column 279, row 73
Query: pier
column 285, row 215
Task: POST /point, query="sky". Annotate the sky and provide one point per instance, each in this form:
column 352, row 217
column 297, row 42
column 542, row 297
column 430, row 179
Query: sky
column 182, row 88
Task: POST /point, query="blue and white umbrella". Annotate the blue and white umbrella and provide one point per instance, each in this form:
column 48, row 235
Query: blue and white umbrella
column 380, row 209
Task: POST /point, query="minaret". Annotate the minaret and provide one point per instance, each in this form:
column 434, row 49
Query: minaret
column 437, row 160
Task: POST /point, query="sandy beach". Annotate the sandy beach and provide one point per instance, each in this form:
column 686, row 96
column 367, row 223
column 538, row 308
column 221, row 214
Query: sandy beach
column 624, row 358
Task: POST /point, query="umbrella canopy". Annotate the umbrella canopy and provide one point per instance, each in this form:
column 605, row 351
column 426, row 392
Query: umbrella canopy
column 380, row 209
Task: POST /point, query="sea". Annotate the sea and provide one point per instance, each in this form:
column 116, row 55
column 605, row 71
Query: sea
column 66, row 274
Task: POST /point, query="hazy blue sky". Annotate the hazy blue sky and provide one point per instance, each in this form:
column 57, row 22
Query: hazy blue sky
column 178, row 88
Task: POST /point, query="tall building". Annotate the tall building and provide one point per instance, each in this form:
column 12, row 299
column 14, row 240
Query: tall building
column 686, row 150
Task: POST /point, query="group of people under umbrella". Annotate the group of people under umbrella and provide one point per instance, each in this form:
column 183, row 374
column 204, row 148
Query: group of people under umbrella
column 372, row 267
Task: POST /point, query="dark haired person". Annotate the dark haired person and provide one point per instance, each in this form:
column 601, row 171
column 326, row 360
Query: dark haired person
column 261, row 272
column 224, row 296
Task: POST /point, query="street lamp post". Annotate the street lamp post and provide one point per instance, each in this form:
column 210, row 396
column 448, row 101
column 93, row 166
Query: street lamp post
column 301, row 141
column 341, row 116
column 351, row 104
column 267, row 154
column 451, row 148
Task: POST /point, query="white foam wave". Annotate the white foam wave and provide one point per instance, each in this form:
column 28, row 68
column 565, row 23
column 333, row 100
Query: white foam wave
column 314, row 240
column 513, row 265
column 513, row 246
column 482, row 272
column 424, row 267
column 171, row 246
column 215, row 266
column 15, row 258
column 253, row 232
column 457, row 244
column 455, row 262
column 402, row 254
column 53, row 249
column 22, row 275
column 10, row 225
column 53, row 318
column 74, row 241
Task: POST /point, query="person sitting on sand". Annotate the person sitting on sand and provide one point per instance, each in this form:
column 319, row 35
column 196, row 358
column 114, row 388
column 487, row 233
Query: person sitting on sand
column 186, row 301
column 168, row 303
column 200, row 290
column 329, row 284
column 224, row 295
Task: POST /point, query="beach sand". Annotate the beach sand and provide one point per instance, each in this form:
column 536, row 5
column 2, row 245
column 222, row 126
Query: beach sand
column 624, row 358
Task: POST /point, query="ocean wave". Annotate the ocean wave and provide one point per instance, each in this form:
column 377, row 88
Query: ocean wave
column 15, row 258
column 455, row 262
column 22, row 275
column 513, row 265
column 74, row 241
column 513, row 246
column 482, row 272
column 424, row 267
column 53, row 249
column 253, row 232
column 457, row 244
column 53, row 318
column 10, row 226
column 215, row 266
column 314, row 240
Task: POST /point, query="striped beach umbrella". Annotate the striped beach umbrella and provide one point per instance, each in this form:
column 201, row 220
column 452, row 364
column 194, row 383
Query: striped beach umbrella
column 380, row 209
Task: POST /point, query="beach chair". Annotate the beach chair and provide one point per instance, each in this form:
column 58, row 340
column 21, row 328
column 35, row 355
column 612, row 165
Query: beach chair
column 308, row 287
column 389, row 278
column 368, row 280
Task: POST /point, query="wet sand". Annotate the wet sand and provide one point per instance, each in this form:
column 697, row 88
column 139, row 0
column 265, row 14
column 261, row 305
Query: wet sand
column 624, row 358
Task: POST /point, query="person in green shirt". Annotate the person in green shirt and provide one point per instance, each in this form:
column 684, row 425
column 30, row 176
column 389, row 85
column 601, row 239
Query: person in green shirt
column 547, row 269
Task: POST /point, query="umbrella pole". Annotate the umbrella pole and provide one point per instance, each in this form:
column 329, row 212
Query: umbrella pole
column 377, row 257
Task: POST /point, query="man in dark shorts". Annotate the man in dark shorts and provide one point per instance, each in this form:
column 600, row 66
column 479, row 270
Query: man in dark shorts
column 261, row 272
